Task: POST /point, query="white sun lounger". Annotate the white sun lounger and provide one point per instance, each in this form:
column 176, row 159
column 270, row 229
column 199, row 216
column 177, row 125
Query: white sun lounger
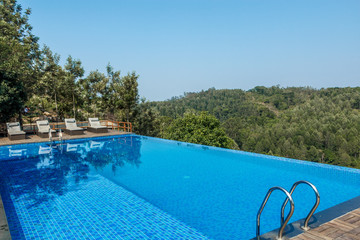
column 95, row 126
column 44, row 128
column 14, row 131
column 72, row 128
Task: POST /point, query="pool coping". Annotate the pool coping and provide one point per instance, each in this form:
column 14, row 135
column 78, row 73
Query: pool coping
column 33, row 138
column 4, row 227
column 293, row 229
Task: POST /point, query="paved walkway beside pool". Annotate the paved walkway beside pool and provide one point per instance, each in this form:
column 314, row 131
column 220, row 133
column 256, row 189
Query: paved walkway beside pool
column 4, row 229
column 31, row 138
column 346, row 227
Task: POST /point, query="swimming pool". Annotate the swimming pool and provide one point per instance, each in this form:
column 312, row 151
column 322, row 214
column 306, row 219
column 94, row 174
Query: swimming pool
column 135, row 187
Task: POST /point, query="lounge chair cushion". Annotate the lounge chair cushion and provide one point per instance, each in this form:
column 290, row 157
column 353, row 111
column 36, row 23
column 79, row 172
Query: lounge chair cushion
column 16, row 133
column 46, row 131
column 75, row 129
column 99, row 127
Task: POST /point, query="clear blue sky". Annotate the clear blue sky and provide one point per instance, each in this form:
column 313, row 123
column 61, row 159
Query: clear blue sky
column 178, row 46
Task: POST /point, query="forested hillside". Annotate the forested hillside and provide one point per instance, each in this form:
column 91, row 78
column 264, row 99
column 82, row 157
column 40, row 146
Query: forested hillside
column 303, row 123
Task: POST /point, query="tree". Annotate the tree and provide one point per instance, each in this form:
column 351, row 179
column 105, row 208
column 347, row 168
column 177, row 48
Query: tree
column 114, row 101
column 74, row 71
column 129, row 94
column 12, row 96
column 18, row 52
column 51, row 80
column 146, row 121
column 93, row 90
column 201, row 128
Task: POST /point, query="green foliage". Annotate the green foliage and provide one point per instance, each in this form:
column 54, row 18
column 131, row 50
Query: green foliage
column 111, row 95
column 18, row 54
column 19, row 48
column 129, row 94
column 223, row 104
column 146, row 121
column 93, row 90
column 74, row 71
column 200, row 128
column 12, row 96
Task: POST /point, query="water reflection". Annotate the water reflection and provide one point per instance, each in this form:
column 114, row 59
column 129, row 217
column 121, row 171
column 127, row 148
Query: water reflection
column 51, row 171
column 97, row 145
column 44, row 150
column 17, row 152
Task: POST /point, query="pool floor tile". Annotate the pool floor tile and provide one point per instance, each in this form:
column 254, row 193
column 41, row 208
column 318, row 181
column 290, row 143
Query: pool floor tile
column 99, row 210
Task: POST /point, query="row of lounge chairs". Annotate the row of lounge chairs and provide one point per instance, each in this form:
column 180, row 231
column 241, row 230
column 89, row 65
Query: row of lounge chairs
column 43, row 128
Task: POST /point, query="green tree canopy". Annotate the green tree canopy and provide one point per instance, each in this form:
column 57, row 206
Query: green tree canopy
column 12, row 96
column 201, row 128
column 74, row 71
column 19, row 52
column 129, row 94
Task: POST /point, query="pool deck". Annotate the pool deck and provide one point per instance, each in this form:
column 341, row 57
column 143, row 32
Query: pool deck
column 4, row 228
column 31, row 138
column 346, row 227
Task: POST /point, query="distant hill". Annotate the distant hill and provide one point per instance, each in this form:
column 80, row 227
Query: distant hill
column 304, row 123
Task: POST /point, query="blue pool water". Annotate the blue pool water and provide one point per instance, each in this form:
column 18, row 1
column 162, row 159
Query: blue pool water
column 134, row 187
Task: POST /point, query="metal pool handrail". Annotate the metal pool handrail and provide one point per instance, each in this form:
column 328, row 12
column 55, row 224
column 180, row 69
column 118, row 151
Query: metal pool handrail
column 317, row 202
column 288, row 197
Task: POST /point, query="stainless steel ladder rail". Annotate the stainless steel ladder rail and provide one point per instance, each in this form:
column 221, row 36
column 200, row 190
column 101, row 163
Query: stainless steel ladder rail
column 317, row 202
column 288, row 197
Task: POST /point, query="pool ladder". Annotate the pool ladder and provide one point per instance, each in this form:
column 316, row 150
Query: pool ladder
column 288, row 198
